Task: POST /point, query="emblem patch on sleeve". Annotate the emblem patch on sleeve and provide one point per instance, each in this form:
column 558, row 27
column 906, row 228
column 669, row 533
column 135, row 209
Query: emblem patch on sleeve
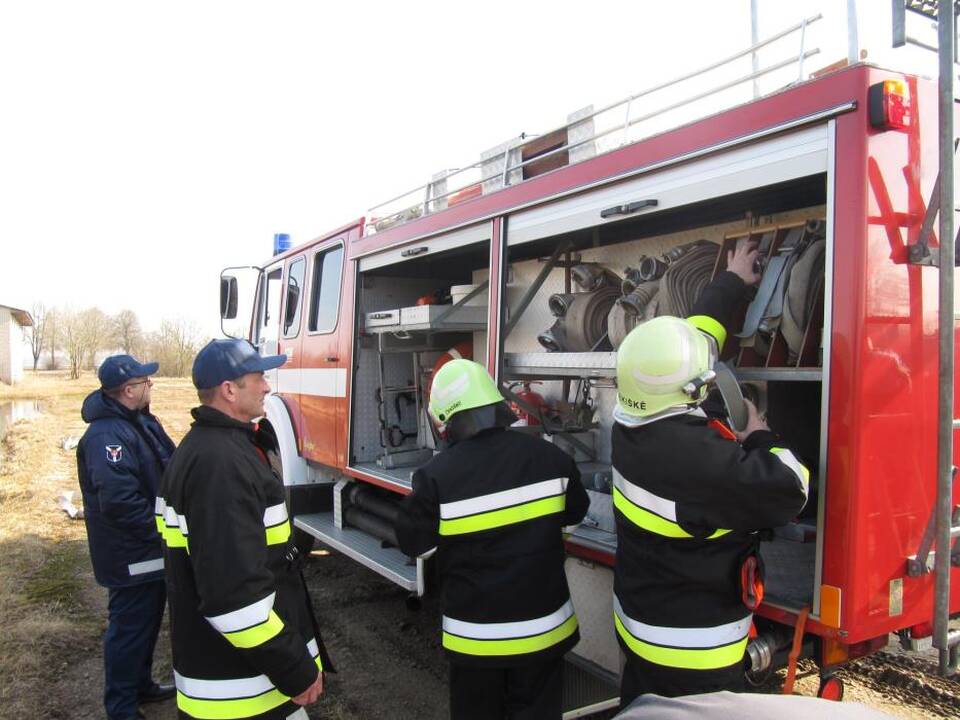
column 114, row 453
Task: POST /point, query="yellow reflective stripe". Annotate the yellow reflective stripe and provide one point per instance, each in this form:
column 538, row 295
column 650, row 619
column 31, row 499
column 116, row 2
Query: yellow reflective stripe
column 518, row 646
column 707, row 324
column 278, row 534
column 258, row 634
column 172, row 536
column 651, row 522
column 790, row 460
column 686, row 658
column 506, row 516
column 160, row 524
column 230, row 709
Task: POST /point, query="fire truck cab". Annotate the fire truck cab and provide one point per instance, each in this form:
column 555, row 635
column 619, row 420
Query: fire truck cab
column 538, row 267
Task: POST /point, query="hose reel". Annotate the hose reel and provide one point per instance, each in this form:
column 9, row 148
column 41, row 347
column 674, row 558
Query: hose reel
column 667, row 286
column 581, row 317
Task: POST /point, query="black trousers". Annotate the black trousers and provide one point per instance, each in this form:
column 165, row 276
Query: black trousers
column 132, row 628
column 531, row 692
column 641, row 677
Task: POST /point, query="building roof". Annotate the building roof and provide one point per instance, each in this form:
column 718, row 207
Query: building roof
column 21, row 316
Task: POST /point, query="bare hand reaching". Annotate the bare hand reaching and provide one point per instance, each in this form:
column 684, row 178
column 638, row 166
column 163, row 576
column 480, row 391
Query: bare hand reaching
column 754, row 421
column 312, row 693
column 741, row 261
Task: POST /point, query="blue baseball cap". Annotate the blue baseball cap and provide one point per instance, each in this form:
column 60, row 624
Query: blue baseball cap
column 222, row 360
column 117, row 369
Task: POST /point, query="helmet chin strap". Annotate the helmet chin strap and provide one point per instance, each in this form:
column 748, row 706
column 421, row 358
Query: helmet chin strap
column 726, row 382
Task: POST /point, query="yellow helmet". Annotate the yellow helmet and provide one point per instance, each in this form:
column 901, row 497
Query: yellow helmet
column 663, row 363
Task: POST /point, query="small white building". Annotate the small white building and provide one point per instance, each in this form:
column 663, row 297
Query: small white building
column 12, row 343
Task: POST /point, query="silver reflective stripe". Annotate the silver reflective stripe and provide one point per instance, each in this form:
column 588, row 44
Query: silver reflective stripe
column 159, row 506
column 313, row 648
column 644, row 498
column 504, row 498
column 697, row 637
column 502, row 631
column 172, row 519
column 790, row 460
column 274, row 515
column 245, row 617
column 225, row 689
column 222, row 689
column 300, row 714
column 147, row 566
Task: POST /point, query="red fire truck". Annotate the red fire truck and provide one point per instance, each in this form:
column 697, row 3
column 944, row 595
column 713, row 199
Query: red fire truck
column 540, row 260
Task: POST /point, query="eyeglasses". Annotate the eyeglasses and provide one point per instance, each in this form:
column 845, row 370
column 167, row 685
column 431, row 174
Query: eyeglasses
column 142, row 382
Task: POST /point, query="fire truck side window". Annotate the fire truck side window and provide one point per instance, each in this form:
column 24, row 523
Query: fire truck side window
column 325, row 293
column 269, row 330
column 291, row 313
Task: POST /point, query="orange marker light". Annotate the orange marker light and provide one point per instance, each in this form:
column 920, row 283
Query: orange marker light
column 890, row 106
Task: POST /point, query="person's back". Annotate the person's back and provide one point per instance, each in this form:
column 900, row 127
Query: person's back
column 494, row 504
column 502, row 499
column 689, row 495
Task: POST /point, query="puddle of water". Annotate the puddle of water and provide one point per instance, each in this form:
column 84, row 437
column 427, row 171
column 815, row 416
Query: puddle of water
column 12, row 411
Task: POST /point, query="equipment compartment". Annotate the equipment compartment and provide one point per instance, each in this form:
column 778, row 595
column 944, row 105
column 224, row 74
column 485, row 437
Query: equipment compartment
column 578, row 388
column 416, row 326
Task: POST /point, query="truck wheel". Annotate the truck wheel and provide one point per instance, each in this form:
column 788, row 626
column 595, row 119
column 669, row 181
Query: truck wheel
column 831, row 688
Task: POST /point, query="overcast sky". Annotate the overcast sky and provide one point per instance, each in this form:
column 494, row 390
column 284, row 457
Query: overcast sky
column 143, row 146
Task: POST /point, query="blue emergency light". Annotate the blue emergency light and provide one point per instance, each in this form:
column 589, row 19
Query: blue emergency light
column 281, row 243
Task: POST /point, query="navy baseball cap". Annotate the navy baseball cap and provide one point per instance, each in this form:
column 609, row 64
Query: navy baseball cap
column 117, row 369
column 221, row 360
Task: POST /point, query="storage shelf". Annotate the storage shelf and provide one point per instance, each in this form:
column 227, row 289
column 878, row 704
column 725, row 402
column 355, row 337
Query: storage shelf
column 604, row 365
column 442, row 326
column 561, row 364
column 772, row 374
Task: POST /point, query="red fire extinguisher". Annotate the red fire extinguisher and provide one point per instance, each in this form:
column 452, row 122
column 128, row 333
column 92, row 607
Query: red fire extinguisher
column 530, row 398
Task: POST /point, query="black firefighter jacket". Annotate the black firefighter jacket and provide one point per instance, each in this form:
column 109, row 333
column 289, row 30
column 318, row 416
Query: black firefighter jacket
column 243, row 632
column 495, row 506
column 688, row 502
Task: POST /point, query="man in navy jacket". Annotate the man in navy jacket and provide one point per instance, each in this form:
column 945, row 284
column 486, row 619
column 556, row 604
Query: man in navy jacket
column 120, row 460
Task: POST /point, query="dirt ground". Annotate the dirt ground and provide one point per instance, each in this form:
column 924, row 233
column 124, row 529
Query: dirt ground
column 389, row 657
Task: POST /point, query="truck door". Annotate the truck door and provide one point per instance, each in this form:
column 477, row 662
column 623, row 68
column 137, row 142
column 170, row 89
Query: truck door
column 290, row 341
column 266, row 335
column 323, row 367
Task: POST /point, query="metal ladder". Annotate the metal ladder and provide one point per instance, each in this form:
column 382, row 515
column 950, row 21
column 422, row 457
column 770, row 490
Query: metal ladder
column 944, row 527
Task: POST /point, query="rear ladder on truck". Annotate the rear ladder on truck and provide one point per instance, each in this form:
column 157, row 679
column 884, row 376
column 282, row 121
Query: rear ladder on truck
column 944, row 526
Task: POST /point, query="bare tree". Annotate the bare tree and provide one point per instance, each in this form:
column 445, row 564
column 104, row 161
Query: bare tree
column 174, row 346
column 53, row 335
column 98, row 330
column 84, row 333
column 128, row 335
column 35, row 336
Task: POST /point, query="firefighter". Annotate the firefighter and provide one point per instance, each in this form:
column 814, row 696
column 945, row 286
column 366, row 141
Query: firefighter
column 495, row 503
column 120, row 459
column 689, row 496
column 245, row 642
